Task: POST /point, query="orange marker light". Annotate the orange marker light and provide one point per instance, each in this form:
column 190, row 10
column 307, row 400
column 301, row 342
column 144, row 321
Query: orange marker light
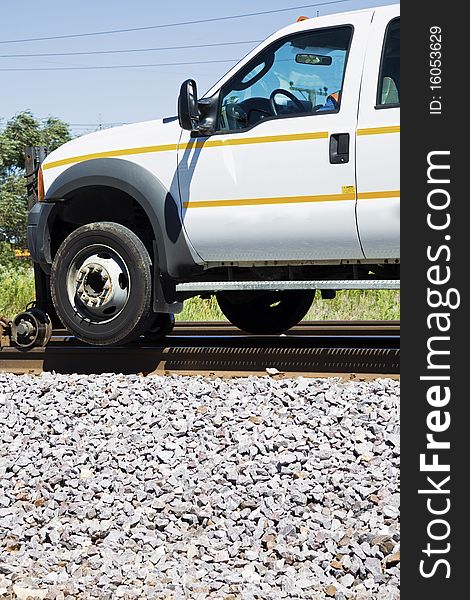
column 302, row 18
column 40, row 185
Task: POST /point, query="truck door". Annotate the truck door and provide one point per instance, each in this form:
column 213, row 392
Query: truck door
column 277, row 179
column 378, row 141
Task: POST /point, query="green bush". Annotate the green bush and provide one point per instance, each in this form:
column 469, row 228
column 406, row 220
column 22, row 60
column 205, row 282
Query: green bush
column 16, row 289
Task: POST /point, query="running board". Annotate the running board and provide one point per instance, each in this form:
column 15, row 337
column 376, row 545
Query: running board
column 333, row 284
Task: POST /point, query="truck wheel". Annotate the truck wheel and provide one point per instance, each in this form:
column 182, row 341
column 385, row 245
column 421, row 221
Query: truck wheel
column 161, row 325
column 101, row 284
column 265, row 312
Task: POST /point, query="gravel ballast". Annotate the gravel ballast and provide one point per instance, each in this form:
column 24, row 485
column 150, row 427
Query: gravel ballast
column 116, row 486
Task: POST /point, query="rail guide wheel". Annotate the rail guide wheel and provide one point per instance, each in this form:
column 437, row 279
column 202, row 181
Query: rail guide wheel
column 31, row 328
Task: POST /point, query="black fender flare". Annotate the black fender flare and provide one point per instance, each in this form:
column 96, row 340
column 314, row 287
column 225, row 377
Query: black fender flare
column 175, row 253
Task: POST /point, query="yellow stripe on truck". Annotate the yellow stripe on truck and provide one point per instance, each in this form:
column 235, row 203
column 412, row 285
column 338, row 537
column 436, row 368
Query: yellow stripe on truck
column 212, row 143
column 109, row 154
column 193, row 143
column 275, row 200
column 290, row 199
column 266, row 139
column 379, row 130
column 374, row 195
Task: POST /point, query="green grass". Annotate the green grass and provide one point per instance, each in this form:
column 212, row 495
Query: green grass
column 17, row 290
column 361, row 305
column 196, row 309
column 358, row 305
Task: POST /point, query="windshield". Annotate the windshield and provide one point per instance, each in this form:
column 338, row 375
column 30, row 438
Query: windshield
column 294, row 77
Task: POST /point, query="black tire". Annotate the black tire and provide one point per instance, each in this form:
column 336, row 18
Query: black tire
column 265, row 313
column 162, row 324
column 79, row 283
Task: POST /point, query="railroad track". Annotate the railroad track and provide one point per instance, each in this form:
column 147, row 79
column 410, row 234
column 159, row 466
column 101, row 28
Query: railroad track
column 358, row 348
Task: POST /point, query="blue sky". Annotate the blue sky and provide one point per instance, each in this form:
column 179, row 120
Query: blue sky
column 86, row 97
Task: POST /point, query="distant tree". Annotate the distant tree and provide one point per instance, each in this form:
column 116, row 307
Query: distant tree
column 13, row 209
column 21, row 131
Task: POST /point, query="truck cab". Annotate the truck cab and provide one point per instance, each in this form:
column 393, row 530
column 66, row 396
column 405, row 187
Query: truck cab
column 282, row 179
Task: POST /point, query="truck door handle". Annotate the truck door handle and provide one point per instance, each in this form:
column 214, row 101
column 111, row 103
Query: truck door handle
column 339, row 148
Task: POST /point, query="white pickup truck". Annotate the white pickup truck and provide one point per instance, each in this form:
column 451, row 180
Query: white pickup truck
column 282, row 179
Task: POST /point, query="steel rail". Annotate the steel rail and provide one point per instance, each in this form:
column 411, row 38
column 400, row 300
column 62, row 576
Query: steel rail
column 303, row 328
column 216, row 348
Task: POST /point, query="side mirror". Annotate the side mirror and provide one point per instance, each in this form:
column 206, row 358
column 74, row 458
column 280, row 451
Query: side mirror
column 188, row 113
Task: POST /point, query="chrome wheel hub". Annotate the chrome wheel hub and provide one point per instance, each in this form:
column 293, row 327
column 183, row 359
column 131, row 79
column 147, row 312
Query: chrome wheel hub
column 98, row 284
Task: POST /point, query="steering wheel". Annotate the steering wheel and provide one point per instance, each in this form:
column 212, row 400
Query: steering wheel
column 290, row 95
column 238, row 114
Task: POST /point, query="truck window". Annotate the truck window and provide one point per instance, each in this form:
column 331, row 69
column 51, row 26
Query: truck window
column 388, row 94
column 299, row 75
